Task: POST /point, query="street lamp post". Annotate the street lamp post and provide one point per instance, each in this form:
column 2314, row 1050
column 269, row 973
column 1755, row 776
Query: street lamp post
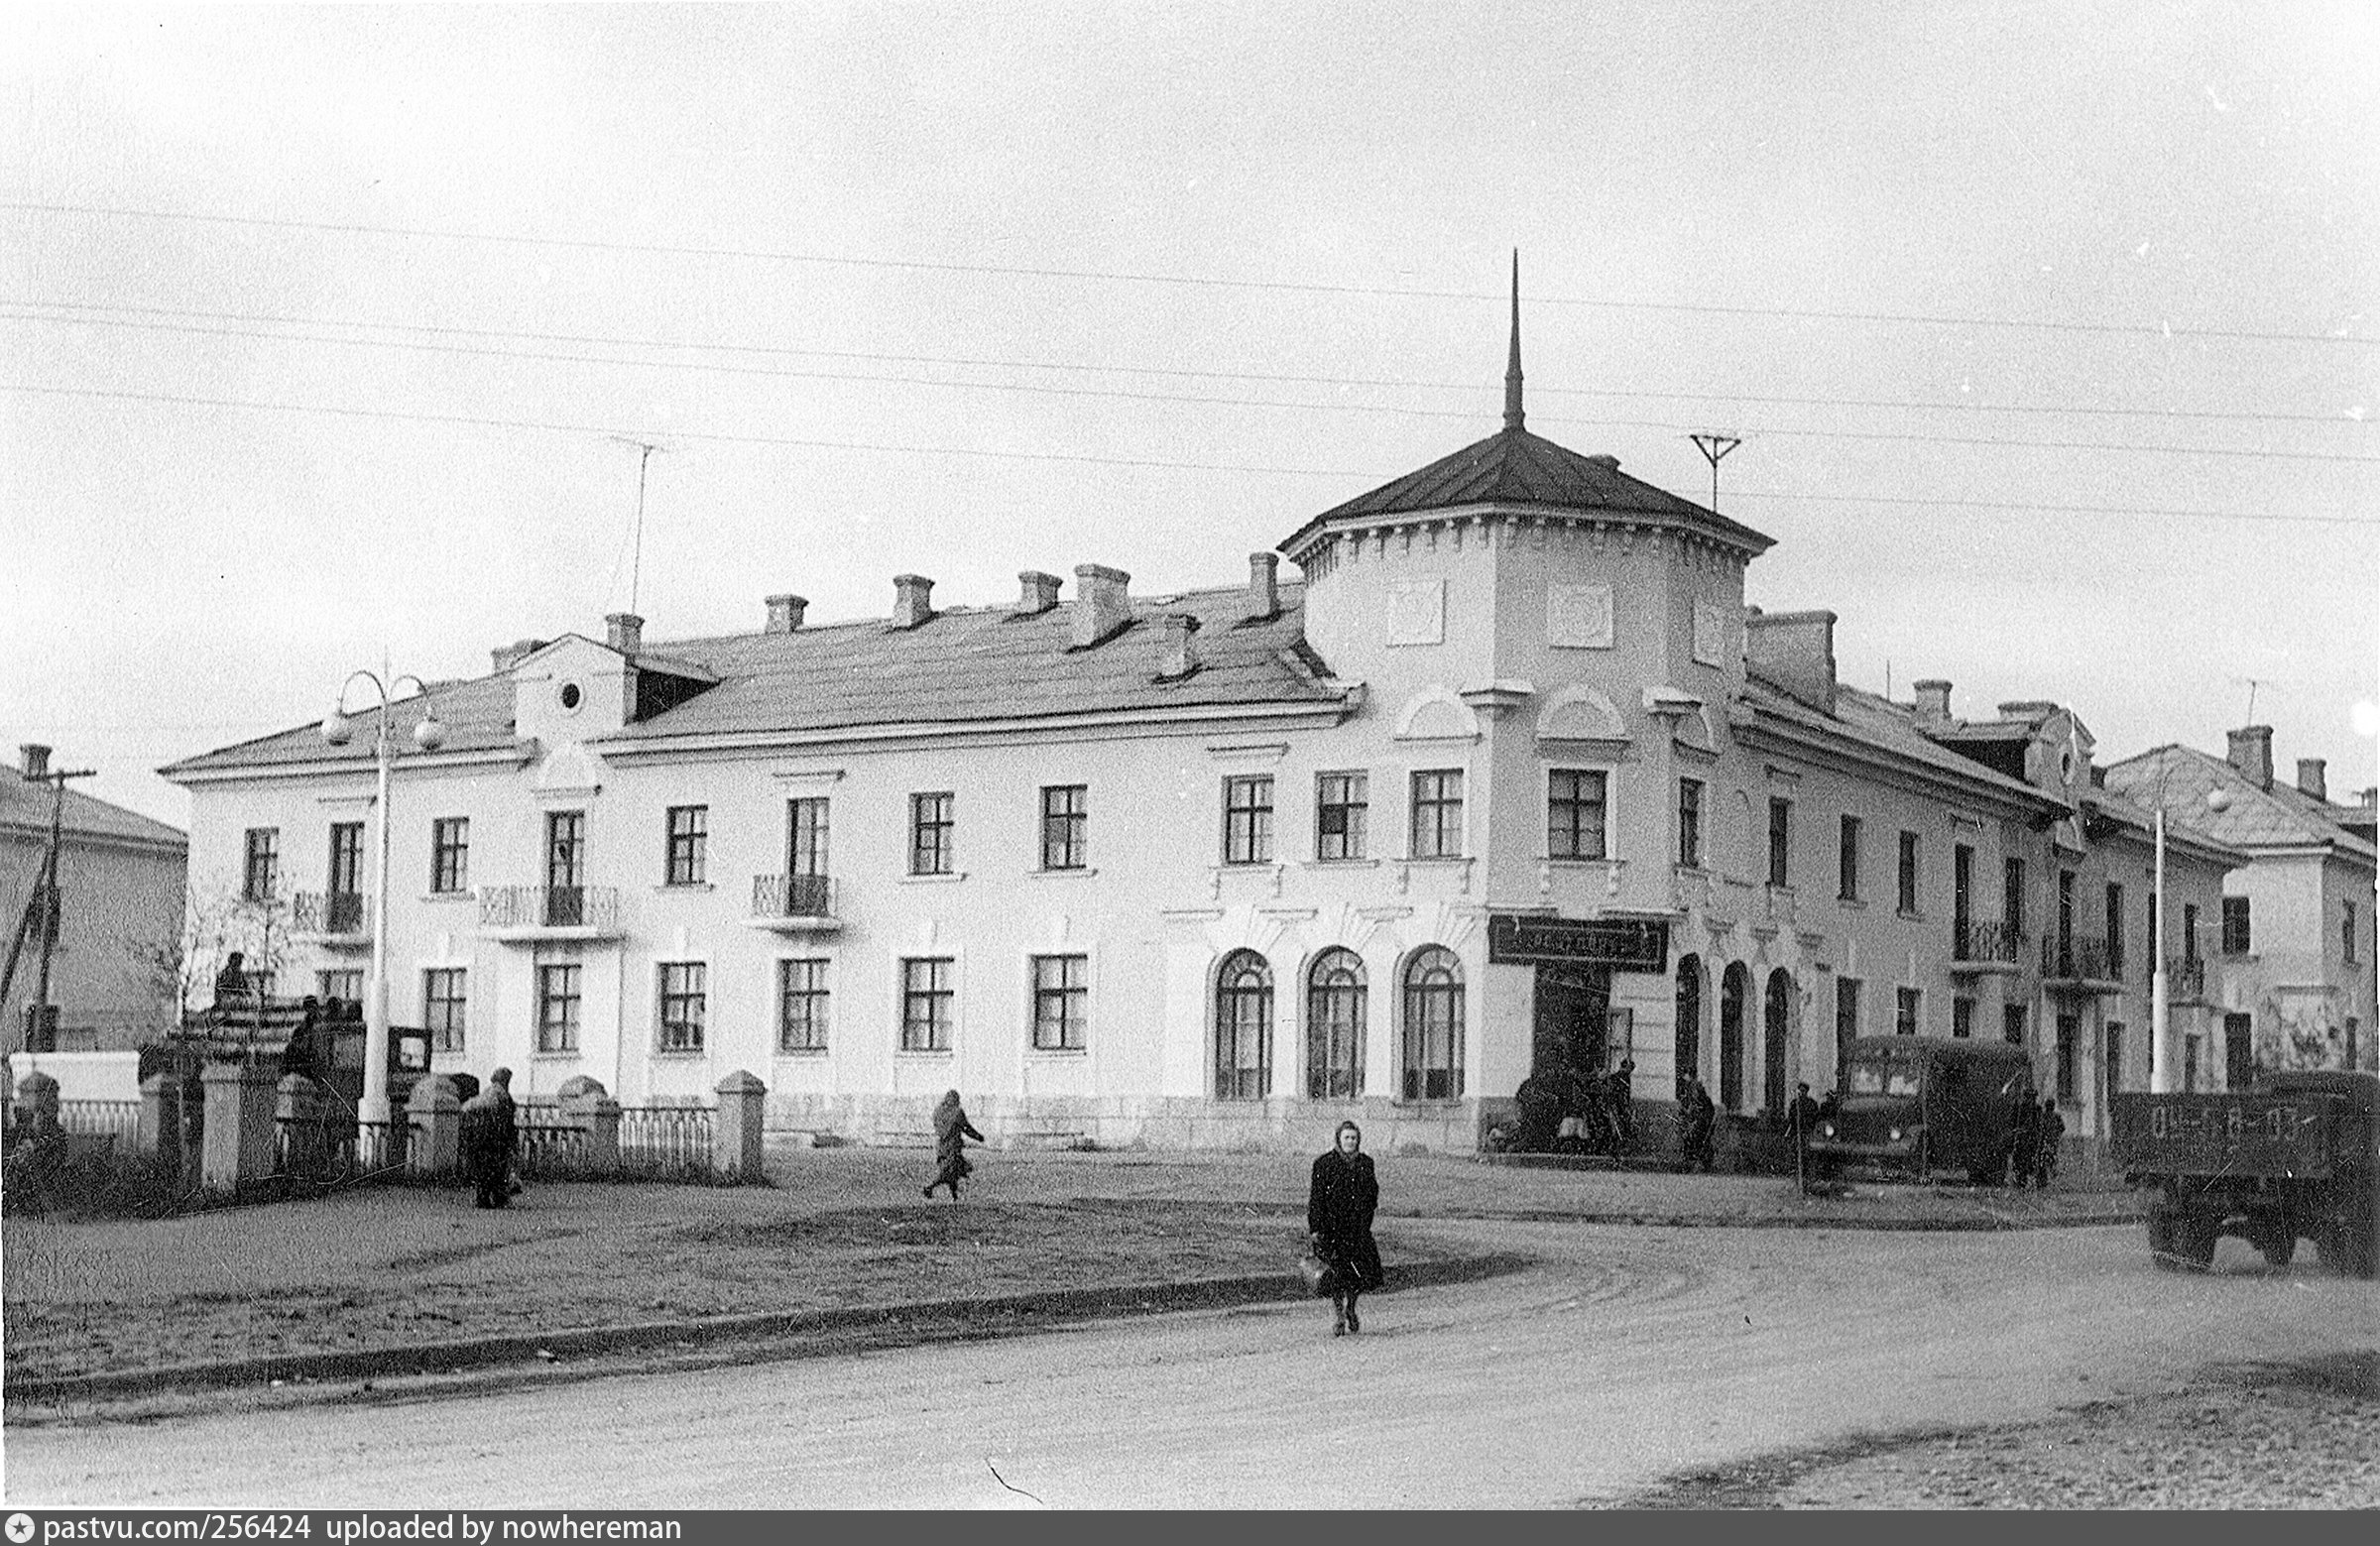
column 2161, row 1056
column 428, row 735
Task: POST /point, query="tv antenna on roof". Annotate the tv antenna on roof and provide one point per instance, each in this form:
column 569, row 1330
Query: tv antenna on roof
column 1714, row 449
column 636, row 567
column 2252, row 684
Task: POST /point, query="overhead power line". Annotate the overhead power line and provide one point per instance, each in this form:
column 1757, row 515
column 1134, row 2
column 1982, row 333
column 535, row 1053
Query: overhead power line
column 402, row 415
column 1040, row 389
column 1124, row 276
column 996, row 363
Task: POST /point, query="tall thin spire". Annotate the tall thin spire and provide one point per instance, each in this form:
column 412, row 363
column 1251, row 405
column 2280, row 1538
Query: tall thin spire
column 1512, row 416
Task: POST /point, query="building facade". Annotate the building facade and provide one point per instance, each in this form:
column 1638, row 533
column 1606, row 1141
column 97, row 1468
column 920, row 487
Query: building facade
column 116, row 917
column 1510, row 779
column 2295, row 935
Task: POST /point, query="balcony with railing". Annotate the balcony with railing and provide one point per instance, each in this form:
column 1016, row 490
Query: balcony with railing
column 335, row 919
column 795, row 903
column 2080, row 965
column 1981, row 948
column 530, row 914
column 2185, row 978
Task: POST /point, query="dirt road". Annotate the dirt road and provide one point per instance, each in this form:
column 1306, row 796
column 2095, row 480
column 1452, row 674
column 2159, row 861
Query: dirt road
column 1630, row 1355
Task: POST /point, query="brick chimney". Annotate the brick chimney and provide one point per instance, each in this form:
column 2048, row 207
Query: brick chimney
column 1795, row 651
column 784, row 613
column 912, row 600
column 2310, row 777
column 1102, row 603
column 1177, row 646
column 623, row 631
column 36, row 760
column 1036, row 593
column 2252, row 753
column 1264, row 585
column 1933, row 700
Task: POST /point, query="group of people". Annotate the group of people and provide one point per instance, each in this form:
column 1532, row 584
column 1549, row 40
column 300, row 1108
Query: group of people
column 1564, row 1108
column 2039, row 1131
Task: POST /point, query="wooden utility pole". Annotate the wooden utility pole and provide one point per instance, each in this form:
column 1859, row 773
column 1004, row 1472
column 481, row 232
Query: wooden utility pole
column 42, row 908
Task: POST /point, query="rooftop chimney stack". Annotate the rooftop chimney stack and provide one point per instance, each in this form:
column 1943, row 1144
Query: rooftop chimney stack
column 1102, row 603
column 1264, row 585
column 2252, row 753
column 623, row 631
column 1036, row 593
column 784, row 613
column 1177, row 640
column 912, row 600
column 37, row 760
column 1795, row 653
column 2310, row 777
column 1933, row 700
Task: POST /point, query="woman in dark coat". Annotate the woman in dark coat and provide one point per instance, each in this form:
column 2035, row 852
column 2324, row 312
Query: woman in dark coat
column 952, row 1130
column 1339, row 1209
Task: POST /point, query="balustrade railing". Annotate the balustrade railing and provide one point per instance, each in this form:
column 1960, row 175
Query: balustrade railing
column 2078, row 959
column 666, row 1138
column 792, row 896
column 550, row 906
column 327, row 912
column 2186, row 977
column 1979, row 940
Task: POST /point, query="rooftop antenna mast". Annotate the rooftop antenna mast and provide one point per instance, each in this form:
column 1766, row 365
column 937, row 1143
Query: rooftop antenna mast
column 644, row 450
column 1714, row 449
column 2251, row 683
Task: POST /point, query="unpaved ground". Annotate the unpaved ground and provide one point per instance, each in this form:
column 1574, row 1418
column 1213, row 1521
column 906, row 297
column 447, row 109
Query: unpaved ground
column 2295, row 1434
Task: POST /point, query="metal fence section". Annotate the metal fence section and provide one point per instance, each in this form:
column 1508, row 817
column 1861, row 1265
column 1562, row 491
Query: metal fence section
column 666, row 1137
column 551, row 1146
column 334, row 1147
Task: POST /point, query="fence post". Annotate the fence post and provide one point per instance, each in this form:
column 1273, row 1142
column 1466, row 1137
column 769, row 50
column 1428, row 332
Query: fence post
column 237, row 1148
column 158, row 1136
column 735, row 1134
column 587, row 1105
column 436, row 1118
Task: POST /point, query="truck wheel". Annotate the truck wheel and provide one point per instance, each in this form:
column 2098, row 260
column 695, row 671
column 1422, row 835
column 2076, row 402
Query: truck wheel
column 2188, row 1242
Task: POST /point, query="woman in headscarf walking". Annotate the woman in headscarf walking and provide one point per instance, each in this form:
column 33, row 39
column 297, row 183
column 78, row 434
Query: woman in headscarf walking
column 952, row 1130
column 1339, row 1209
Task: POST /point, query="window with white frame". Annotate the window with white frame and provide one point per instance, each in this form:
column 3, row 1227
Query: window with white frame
column 558, row 1006
column 1335, row 993
column 1247, row 819
column 1339, row 803
column 1575, row 813
column 1065, row 826
column 260, row 867
column 805, row 835
column 1433, row 1040
column 1244, row 1027
column 929, row 999
column 933, row 818
column 688, row 860
column 444, row 1007
column 1437, row 825
column 684, row 998
column 451, row 854
column 801, row 1005
column 1061, row 1003
column 1690, row 823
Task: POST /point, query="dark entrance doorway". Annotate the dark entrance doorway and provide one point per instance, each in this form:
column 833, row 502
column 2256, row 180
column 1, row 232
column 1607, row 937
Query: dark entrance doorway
column 1573, row 1009
column 1688, row 1045
column 1778, row 1026
column 1734, row 987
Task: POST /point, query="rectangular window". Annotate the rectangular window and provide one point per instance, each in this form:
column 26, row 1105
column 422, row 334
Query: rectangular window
column 1061, row 1003
column 1574, row 815
column 926, row 997
column 805, row 836
column 2066, row 920
column 566, row 848
column 801, row 1005
column 1065, row 826
column 346, row 877
column 1846, row 861
column 557, row 1007
column 1904, row 1014
column 2115, row 1056
column 1847, row 1022
column 450, row 854
column 443, row 1007
column 1690, row 823
column 345, row 984
column 260, row 870
column 1780, row 840
column 2115, row 932
column 2012, row 895
column 2189, row 934
column 2235, row 926
column 1963, row 1019
column 685, row 996
column 687, row 860
column 1247, row 819
column 2069, row 1030
column 1908, row 877
column 2012, row 1024
column 1340, row 801
column 1963, row 888
column 932, row 820
column 2346, row 935
column 1437, row 814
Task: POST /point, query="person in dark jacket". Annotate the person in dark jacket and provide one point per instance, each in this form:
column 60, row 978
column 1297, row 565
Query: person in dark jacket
column 1801, row 1115
column 1339, row 1207
column 952, row 1130
column 1540, row 1100
column 491, row 1125
column 2045, row 1153
column 2025, row 1142
column 1697, row 1119
column 298, row 1056
column 1619, row 1103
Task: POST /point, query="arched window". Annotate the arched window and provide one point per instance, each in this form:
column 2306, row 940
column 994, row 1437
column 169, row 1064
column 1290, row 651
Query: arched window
column 1777, row 1029
column 1244, row 1027
column 1734, row 989
column 1335, row 1026
column 1434, row 1026
column 1688, row 1042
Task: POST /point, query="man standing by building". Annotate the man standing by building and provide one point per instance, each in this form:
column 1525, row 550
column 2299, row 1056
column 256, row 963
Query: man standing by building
column 490, row 1127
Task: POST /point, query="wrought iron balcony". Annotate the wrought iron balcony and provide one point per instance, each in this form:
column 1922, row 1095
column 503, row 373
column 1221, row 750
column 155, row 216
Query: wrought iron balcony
column 331, row 918
column 2186, row 977
column 561, row 911
column 795, row 903
column 1986, row 948
column 2088, row 964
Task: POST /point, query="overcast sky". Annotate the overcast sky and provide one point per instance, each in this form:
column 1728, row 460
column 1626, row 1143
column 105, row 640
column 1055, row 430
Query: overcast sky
column 2049, row 328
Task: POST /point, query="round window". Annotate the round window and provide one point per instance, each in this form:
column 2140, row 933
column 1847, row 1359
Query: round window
column 2066, row 765
column 570, row 697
